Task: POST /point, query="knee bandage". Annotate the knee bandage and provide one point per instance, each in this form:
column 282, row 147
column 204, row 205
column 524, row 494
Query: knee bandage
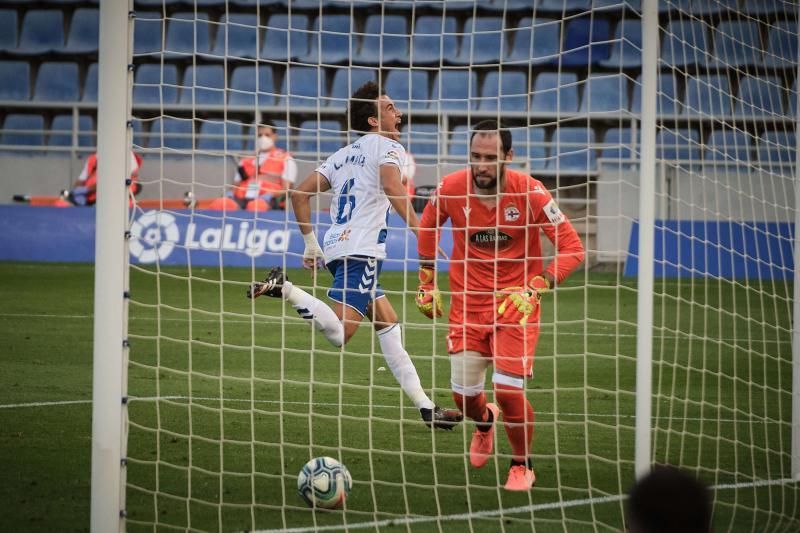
column 468, row 372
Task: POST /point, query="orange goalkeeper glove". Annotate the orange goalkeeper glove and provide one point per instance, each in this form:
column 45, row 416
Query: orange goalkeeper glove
column 429, row 301
column 520, row 302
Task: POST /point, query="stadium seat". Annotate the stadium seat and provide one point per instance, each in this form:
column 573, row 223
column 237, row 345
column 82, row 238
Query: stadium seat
column 586, row 41
column 139, row 137
column 345, row 83
column 456, row 90
column 677, row 145
column 715, row 7
column 83, row 32
column 782, row 46
column 188, row 33
column 518, row 7
column 243, row 83
column 613, row 5
column 320, row 138
column 482, row 41
column 203, row 85
column 667, row 103
column 535, row 41
column 555, row 93
column 737, row 44
column 793, row 99
column 172, row 133
column 408, row 88
column 385, row 41
column 603, row 93
column 537, row 148
column 573, row 149
column 520, row 145
column 684, row 6
column 237, row 36
column 42, row 32
column 767, row 8
column 148, row 30
column 707, row 95
column 777, row 148
column 504, row 90
column 458, row 144
column 727, row 145
column 564, row 6
column 686, row 42
column 285, row 43
column 154, row 84
column 332, row 40
column 90, row 84
column 23, row 130
column 216, row 135
column 57, row 82
column 626, row 49
column 618, row 144
column 434, row 40
column 15, row 80
column 422, row 140
column 9, row 36
column 61, row 131
column 301, row 85
column 759, row 96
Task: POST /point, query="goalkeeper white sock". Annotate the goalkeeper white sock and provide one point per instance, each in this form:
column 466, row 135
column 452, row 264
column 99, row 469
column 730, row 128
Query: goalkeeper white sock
column 401, row 366
column 316, row 310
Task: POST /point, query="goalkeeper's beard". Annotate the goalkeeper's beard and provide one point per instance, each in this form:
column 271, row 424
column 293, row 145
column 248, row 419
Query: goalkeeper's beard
column 487, row 186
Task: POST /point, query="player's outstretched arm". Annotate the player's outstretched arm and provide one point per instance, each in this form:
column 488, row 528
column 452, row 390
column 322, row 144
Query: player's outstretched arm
column 301, row 205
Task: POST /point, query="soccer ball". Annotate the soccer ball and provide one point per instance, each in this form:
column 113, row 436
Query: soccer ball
column 324, row 482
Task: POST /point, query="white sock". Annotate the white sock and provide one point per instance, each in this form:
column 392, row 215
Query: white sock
column 401, row 366
column 315, row 310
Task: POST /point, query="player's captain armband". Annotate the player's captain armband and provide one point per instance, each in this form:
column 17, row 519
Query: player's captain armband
column 553, row 213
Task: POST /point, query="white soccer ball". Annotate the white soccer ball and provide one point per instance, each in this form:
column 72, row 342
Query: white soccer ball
column 324, row 482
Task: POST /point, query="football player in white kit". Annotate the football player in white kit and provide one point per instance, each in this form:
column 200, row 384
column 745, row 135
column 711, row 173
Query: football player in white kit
column 365, row 179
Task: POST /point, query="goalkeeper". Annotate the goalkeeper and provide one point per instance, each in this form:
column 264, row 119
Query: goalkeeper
column 497, row 281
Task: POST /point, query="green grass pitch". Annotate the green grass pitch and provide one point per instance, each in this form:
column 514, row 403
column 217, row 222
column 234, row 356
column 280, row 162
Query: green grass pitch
column 230, row 397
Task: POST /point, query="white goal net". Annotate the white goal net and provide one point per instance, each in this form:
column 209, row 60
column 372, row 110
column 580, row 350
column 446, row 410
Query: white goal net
column 230, row 397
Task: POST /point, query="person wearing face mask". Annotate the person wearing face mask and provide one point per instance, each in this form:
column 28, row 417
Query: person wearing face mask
column 261, row 182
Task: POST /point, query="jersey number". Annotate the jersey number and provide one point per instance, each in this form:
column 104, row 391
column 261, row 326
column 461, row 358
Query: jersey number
column 347, row 202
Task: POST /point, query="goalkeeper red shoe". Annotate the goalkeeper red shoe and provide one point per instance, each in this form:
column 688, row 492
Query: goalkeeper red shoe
column 520, row 477
column 271, row 286
column 482, row 443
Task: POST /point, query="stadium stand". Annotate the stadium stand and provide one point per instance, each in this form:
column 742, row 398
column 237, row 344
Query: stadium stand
column 667, row 103
column 246, row 89
column 482, row 41
column 301, row 87
column 237, row 36
column 781, row 47
column 458, row 144
column 332, row 41
column 319, row 137
column 680, row 144
column 455, row 90
column 738, row 42
column 220, row 136
column 536, row 42
column 773, row 148
column 21, row 129
column 83, row 32
column 57, row 81
column 346, row 81
column 708, row 95
column 148, row 31
column 154, row 84
column 626, row 50
column 554, row 92
column 506, row 91
column 188, row 33
column 8, row 30
column 42, row 32
column 759, row 96
column 586, row 41
column 286, row 38
column 15, row 80
column 434, row 40
column 385, row 41
column 727, row 145
column 685, row 42
column 90, row 84
column 605, row 93
column 537, row 148
column 172, row 133
column 408, row 88
column 573, row 149
column 203, row 85
column 61, row 131
column 618, row 144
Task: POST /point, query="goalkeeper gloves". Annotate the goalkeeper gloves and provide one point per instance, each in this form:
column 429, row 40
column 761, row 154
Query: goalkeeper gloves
column 520, row 302
column 312, row 255
column 429, row 300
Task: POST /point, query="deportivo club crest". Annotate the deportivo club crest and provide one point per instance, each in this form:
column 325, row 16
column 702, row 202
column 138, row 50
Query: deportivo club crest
column 511, row 213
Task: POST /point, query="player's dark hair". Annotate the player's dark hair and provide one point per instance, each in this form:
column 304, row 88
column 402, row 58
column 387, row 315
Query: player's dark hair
column 668, row 499
column 492, row 125
column 363, row 104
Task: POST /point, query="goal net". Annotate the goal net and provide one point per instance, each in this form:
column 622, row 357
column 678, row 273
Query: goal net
column 230, row 397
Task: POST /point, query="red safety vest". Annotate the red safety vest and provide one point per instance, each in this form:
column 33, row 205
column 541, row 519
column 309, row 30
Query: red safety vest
column 269, row 176
column 91, row 177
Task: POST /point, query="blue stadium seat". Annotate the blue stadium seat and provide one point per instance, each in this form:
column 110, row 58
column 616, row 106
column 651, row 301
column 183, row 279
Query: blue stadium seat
column 434, row 40
column 793, row 99
column 42, row 32
column 564, row 6
column 320, row 137
column 759, row 96
column 203, row 85
column 680, row 144
column 686, row 42
column 573, row 149
column 767, row 8
column 243, row 84
column 423, row 141
column 57, row 82
column 482, row 42
column 737, row 44
column 9, row 36
column 626, row 50
column 604, row 93
column 782, row 46
column 776, row 147
column 715, row 7
column 61, row 131
column 707, row 95
column 456, row 89
column 90, row 84
column 154, row 84
column 345, row 83
column 83, row 32
column 148, row 31
column 504, row 90
column 23, row 130
column 618, row 144
column 282, row 43
column 684, row 6
column 217, row 135
column 536, row 41
column 139, row 136
column 555, row 93
column 518, row 7
column 667, row 103
column 302, row 87
column 727, row 145
column 172, row 133
column 613, row 5
column 332, row 40
column 520, row 144
column 188, row 33
column 458, row 144
column 15, row 80
column 237, row 36
column 408, row 88
column 537, row 148
column 385, row 41
column 586, row 41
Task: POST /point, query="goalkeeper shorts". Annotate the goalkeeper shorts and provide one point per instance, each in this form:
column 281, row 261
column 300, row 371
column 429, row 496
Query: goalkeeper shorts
column 355, row 281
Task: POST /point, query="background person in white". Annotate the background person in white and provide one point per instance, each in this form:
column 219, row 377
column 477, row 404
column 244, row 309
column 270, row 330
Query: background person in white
column 365, row 178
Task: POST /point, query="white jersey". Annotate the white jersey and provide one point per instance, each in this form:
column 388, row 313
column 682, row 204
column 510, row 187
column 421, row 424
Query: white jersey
column 359, row 207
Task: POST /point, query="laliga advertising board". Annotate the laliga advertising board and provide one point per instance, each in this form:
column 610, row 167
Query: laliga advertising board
column 181, row 237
